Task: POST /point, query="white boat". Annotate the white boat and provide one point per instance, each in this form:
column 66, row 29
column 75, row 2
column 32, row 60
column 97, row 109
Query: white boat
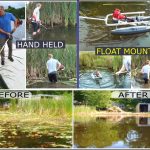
column 96, row 77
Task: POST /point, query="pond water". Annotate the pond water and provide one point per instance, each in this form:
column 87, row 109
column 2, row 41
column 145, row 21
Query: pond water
column 57, row 33
column 31, row 135
column 112, row 132
column 138, row 83
column 109, row 80
column 95, row 33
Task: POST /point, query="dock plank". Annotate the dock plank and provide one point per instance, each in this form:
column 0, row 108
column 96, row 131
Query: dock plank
column 13, row 73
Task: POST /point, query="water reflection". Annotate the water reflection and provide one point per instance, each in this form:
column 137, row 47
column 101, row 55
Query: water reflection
column 57, row 33
column 112, row 133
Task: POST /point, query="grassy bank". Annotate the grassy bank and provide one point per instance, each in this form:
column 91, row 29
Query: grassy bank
column 88, row 60
column 87, row 113
column 45, row 110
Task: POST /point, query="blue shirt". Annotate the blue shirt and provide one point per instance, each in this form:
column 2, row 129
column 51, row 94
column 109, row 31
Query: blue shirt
column 5, row 23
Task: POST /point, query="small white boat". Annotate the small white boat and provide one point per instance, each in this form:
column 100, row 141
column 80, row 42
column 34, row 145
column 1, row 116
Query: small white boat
column 96, row 77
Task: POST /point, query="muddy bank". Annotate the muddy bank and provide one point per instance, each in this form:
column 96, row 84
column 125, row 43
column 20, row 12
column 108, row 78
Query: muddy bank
column 46, row 84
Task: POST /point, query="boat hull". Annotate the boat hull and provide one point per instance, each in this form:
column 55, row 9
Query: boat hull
column 131, row 30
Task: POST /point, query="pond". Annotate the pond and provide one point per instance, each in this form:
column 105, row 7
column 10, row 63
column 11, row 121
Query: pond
column 139, row 83
column 95, row 33
column 109, row 80
column 112, row 132
column 34, row 135
column 57, row 33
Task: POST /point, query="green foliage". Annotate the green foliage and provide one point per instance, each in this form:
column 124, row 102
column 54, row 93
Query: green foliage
column 88, row 60
column 130, row 104
column 56, row 13
column 93, row 98
column 138, row 61
column 37, row 58
column 18, row 13
column 46, row 106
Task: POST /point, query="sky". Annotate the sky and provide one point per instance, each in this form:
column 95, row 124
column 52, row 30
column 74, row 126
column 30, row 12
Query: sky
column 12, row 4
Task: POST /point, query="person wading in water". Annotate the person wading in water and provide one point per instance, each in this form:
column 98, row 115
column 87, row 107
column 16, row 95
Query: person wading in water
column 36, row 22
column 53, row 65
column 146, row 71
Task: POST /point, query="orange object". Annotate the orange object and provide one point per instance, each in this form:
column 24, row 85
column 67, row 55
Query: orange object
column 117, row 14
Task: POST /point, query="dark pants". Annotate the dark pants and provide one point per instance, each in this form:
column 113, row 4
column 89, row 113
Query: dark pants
column 9, row 43
column 36, row 26
column 52, row 77
column 145, row 78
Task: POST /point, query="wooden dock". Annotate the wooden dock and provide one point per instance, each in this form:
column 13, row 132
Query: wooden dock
column 13, row 73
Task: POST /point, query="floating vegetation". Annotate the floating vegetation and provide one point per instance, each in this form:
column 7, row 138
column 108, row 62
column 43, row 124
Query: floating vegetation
column 37, row 123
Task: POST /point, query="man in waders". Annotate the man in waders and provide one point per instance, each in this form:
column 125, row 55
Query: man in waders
column 36, row 22
column 146, row 71
column 5, row 33
column 53, row 65
column 126, row 66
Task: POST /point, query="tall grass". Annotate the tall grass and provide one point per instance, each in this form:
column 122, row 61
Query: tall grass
column 37, row 58
column 47, row 107
column 55, row 13
column 88, row 60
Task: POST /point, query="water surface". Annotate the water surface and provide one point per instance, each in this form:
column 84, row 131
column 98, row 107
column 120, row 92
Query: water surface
column 95, row 33
column 112, row 132
column 109, row 80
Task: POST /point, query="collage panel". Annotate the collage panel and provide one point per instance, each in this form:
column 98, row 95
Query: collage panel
column 43, row 120
column 101, row 26
column 12, row 25
column 111, row 119
column 54, row 67
column 39, row 64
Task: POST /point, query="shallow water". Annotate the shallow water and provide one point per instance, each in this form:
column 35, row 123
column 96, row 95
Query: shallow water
column 109, row 80
column 139, row 83
column 57, row 33
column 31, row 135
column 112, row 132
column 95, row 33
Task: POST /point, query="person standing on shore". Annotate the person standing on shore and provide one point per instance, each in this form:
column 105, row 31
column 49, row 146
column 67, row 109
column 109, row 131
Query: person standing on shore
column 36, row 19
column 6, row 33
